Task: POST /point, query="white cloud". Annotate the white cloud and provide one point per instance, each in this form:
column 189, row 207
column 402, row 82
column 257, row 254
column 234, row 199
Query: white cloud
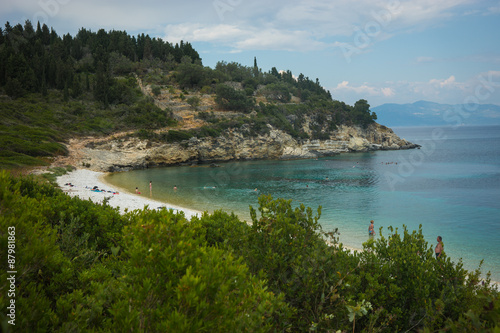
column 449, row 82
column 483, row 88
column 424, row 59
column 364, row 89
column 278, row 25
column 388, row 92
column 345, row 17
column 493, row 10
column 470, row 58
column 310, row 24
column 274, row 39
column 196, row 32
column 248, row 38
column 71, row 15
column 493, row 74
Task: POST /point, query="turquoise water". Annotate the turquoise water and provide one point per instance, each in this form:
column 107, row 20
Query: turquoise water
column 451, row 186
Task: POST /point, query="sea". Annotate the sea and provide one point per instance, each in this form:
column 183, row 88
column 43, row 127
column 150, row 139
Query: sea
column 450, row 186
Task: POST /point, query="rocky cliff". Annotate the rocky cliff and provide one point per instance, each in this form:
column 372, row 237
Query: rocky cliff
column 126, row 153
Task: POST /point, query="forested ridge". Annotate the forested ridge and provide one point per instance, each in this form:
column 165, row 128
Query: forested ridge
column 55, row 87
column 80, row 266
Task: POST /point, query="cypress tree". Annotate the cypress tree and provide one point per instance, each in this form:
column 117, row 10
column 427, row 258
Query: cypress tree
column 255, row 67
column 102, row 84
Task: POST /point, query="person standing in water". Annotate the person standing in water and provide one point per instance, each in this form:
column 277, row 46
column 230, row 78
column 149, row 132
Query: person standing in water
column 371, row 229
column 439, row 247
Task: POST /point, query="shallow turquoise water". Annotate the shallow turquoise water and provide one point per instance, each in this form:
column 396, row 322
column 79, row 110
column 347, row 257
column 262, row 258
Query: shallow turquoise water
column 451, row 186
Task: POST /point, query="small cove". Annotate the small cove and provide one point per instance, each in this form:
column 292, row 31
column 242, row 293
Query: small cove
column 451, row 186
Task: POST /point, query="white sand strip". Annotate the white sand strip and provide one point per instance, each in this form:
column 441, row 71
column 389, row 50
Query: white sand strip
column 83, row 182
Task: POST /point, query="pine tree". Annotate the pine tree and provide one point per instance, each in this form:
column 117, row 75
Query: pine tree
column 76, row 87
column 147, row 49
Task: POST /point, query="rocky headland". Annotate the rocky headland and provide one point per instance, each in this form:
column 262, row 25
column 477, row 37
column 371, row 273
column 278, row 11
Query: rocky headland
column 124, row 153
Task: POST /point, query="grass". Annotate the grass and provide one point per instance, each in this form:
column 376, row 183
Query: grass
column 53, row 173
column 34, row 127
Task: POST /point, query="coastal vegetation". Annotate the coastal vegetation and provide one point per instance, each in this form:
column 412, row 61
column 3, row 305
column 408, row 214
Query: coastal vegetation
column 56, row 87
column 81, row 266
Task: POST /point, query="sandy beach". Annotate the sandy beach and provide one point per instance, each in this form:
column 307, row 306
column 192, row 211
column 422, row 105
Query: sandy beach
column 83, row 181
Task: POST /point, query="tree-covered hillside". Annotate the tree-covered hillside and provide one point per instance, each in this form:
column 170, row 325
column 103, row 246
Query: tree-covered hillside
column 35, row 60
column 54, row 87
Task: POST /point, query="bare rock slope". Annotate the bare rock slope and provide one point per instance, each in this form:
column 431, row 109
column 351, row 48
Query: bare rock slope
column 127, row 153
column 122, row 152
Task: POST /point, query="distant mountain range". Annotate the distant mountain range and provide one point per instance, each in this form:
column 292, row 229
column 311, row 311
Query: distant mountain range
column 424, row 113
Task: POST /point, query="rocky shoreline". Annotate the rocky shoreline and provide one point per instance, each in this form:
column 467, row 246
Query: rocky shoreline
column 130, row 153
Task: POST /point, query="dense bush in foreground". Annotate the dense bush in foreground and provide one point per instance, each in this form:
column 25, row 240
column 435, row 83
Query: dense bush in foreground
column 84, row 267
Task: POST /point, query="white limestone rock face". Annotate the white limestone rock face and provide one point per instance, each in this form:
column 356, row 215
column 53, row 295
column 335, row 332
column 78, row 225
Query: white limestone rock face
column 358, row 144
column 133, row 153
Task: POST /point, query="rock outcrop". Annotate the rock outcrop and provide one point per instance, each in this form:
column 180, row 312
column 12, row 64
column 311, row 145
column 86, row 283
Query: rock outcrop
column 119, row 154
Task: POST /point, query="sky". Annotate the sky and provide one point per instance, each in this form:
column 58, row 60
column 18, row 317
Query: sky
column 384, row 51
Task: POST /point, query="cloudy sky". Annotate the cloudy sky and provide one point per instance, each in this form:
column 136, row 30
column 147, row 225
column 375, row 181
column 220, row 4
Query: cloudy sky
column 385, row 51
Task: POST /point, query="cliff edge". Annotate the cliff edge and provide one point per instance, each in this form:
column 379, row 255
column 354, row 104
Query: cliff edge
column 124, row 153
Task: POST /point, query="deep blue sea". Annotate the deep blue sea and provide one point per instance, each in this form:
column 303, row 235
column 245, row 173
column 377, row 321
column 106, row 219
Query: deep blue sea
column 451, row 186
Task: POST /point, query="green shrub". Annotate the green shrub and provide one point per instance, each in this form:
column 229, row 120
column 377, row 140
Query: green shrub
column 156, row 90
column 416, row 290
column 205, row 131
column 177, row 136
column 84, row 267
column 223, row 230
column 277, row 92
column 194, row 101
column 228, row 98
column 173, row 282
column 208, row 117
column 394, row 285
column 144, row 134
column 206, row 90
